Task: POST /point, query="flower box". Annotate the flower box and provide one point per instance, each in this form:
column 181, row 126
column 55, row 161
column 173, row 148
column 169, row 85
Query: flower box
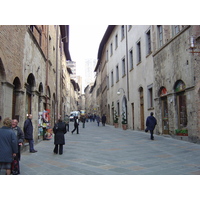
column 181, row 132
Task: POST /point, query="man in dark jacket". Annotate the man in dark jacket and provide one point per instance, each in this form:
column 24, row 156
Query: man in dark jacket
column 59, row 130
column 151, row 123
column 28, row 132
column 8, row 145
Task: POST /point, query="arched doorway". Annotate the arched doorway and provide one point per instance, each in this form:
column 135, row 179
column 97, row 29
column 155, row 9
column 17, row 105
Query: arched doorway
column 179, row 89
column 141, row 94
column 164, row 110
column 29, row 88
column 16, row 100
column 40, row 102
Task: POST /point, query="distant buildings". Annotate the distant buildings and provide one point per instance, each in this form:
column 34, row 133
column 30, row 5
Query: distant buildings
column 89, row 74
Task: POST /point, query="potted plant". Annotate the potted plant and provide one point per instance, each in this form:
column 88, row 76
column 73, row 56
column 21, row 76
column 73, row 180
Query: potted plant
column 124, row 121
column 115, row 119
column 181, row 132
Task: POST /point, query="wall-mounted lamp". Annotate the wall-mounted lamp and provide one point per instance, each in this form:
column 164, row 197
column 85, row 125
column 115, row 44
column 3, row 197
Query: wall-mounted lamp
column 192, row 45
column 118, row 91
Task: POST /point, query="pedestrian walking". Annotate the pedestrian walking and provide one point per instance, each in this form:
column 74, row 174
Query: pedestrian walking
column 98, row 119
column 59, row 130
column 103, row 119
column 20, row 140
column 8, row 145
column 150, row 124
column 28, row 132
column 76, row 124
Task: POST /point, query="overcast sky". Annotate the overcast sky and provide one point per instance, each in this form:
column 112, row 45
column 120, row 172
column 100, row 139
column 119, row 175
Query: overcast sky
column 84, row 40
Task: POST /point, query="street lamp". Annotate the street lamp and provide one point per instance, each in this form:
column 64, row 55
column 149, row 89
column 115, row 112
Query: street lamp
column 192, row 45
column 118, row 91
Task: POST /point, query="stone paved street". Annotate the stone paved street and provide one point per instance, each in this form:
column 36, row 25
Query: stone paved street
column 113, row 151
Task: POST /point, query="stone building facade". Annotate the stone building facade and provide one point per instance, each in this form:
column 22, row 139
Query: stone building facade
column 33, row 72
column 175, row 81
column 152, row 69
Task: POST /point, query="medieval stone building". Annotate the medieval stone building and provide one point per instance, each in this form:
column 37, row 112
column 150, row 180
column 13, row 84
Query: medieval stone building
column 34, row 76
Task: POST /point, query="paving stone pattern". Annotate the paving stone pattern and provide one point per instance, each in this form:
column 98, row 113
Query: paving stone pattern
column 113, row 151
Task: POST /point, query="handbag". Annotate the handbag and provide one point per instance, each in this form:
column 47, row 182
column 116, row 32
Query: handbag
column 15, row 166
column 146, row 130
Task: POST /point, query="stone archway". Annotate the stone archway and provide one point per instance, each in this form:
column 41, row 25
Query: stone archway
column 17, row 101
column 181, row 102
column 41, row 106
column 29, row 88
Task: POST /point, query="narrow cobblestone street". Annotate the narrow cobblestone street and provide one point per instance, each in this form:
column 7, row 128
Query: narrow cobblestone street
column 113, row 151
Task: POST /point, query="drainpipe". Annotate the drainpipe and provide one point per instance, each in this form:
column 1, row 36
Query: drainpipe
column 56, row 114
column 47, row 64
column 127, row 63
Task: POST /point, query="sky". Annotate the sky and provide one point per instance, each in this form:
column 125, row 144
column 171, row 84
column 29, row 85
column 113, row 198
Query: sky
column 84, row 41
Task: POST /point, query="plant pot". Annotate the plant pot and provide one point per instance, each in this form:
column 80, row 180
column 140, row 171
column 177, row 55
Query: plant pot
column 116, row 125
column 124, row 126
column 182, row 134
